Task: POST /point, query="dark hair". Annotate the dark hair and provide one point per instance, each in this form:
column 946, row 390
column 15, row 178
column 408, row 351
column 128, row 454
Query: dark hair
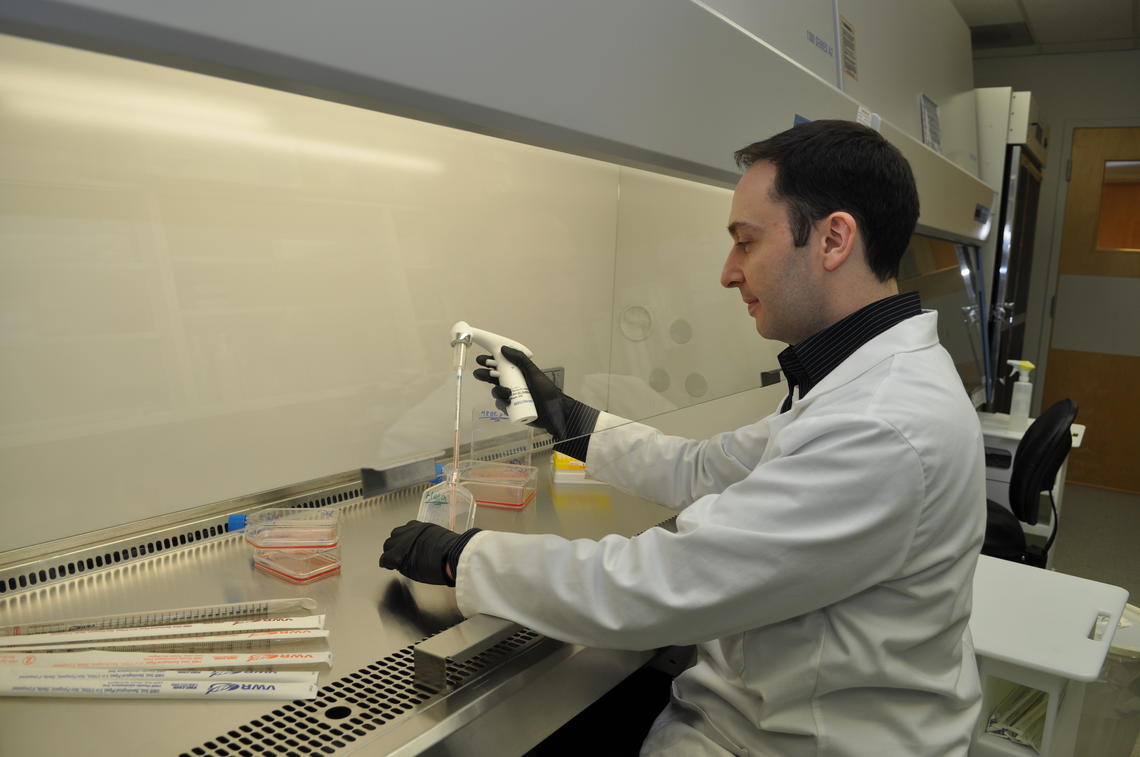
column 826, row 166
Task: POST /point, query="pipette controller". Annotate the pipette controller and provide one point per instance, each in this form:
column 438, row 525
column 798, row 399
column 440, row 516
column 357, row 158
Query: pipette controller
column 521, row 406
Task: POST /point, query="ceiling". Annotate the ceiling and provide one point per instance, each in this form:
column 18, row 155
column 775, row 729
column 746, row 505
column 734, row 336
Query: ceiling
column 1035, row 27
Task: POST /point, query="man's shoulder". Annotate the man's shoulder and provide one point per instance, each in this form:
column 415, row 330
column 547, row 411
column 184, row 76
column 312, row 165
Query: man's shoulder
column 912, row 391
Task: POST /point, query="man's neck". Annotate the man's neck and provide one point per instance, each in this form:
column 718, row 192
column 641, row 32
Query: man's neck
column 844, row 304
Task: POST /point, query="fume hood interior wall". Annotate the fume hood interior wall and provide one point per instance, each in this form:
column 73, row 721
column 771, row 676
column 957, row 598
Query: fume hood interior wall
column 213, row 289
column 264, row 385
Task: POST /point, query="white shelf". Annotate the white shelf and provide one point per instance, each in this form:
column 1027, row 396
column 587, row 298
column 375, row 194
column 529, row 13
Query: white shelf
column 1031, row 627
column 1040, row 620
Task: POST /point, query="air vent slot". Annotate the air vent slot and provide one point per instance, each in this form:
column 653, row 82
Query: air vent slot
column 97, row 557
column 1000, row 35
column 351, row 708
column 83, row 565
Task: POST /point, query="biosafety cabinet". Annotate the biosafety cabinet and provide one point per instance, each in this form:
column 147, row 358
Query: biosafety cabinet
column 235, row 249
column 1013, row 139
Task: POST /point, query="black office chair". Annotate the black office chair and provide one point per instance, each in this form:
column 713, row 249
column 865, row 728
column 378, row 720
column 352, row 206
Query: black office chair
column 1039, row 456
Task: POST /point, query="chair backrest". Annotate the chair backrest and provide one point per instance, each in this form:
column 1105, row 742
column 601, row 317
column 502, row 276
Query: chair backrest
column 1039, row 456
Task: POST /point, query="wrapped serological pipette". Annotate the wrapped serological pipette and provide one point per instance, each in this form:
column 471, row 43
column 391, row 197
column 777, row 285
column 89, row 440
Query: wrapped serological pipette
column 180, row 629
column 130, row 656
column 39, row 682
column 262, row 608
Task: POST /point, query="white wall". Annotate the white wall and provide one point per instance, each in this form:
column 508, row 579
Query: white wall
column 1073, row 90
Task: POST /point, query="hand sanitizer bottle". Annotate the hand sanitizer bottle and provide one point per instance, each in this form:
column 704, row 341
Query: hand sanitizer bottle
column 1022, row 394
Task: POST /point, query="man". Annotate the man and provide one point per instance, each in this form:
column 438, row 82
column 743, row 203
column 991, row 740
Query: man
column 824, row 555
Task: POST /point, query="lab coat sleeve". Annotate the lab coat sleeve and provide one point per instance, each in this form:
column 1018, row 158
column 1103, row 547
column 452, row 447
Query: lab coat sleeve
column 671, row 470
column 835, row 513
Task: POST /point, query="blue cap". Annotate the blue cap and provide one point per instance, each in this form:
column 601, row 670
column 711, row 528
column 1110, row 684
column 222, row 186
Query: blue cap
column 235, row 522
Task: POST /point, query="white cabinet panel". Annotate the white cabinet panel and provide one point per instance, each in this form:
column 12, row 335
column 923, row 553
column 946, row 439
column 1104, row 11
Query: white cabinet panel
column 906, row 48
column 803, row 30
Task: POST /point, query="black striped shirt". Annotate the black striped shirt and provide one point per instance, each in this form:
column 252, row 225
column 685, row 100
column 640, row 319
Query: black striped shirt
column 805, row 364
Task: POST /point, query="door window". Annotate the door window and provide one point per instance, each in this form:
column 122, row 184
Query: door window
column 1118, row 221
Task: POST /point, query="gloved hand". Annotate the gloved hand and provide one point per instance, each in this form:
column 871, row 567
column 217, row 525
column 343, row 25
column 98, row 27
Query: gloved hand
column 560, row 414
column 424, row 551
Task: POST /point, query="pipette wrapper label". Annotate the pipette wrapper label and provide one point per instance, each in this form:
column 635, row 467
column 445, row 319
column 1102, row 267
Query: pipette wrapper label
column 26, row 686
column 40, row 673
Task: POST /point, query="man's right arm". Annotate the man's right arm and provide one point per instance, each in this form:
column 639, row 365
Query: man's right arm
column 671, row 470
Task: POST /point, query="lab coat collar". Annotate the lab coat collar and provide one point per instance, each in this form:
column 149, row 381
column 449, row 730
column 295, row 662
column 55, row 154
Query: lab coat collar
column 807, row 363
column 913, row 334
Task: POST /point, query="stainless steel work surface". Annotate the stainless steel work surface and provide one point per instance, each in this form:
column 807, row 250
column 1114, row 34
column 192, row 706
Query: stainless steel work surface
column 373, row 614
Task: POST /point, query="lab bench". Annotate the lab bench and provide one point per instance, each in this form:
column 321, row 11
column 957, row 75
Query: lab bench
column 506, row 689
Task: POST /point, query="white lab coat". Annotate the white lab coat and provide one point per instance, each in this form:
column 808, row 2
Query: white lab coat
column 823, row 563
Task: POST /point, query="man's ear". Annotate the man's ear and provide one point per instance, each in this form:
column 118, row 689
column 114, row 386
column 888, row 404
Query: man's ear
column 840, row 239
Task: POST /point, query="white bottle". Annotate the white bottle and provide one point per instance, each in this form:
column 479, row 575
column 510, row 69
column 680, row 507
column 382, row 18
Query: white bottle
column 1022, row 394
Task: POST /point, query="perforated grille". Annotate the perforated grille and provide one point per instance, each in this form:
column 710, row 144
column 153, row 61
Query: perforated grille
column 350, row 708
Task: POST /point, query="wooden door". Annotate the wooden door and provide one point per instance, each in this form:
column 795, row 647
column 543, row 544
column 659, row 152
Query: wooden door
column 1094, row 349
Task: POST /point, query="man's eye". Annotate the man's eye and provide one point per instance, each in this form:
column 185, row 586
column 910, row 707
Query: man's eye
column 743, row 245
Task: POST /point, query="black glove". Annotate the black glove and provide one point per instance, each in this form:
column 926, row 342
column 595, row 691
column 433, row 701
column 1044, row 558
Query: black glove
column 424, row 551
column 560, row 414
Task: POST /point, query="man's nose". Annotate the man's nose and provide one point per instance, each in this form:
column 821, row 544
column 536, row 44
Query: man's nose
column 730, row 275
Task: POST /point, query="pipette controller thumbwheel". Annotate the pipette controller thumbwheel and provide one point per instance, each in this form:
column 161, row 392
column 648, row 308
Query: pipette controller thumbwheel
column 520, row 409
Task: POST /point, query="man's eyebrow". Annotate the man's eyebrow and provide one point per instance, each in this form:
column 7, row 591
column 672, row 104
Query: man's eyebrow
column 736, row 226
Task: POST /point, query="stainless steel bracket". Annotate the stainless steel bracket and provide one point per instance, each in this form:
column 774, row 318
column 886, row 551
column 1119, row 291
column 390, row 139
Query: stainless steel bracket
column 459, row 643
